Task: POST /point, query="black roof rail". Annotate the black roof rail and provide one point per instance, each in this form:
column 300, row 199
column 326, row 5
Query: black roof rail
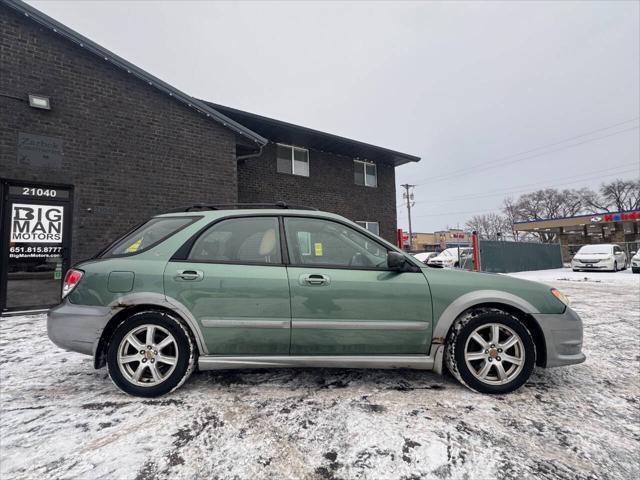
column 230, row 206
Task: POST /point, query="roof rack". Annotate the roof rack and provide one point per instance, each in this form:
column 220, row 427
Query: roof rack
column 230, row 206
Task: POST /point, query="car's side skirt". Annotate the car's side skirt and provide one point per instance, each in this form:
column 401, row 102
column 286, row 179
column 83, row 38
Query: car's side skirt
column 417, row 362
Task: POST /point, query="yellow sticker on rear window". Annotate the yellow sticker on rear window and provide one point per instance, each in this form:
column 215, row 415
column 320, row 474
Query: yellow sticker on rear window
column 134, row 246
column 318, row 249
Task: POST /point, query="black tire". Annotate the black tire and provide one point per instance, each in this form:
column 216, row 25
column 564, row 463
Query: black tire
column 186, row 354
column 635, row 270
column 455, row 355
column 615, row 266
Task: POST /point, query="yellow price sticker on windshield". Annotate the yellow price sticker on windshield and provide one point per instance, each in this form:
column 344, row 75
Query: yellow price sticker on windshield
column 318, row 249
column 134, row 246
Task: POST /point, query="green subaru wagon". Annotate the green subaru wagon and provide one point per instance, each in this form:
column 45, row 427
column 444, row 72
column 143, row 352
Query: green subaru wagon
column 222, row 287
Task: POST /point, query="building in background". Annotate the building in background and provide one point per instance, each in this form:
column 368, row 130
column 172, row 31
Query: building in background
column 622, row 228
column 303, row 166
column 90, row 145
column 437, row 241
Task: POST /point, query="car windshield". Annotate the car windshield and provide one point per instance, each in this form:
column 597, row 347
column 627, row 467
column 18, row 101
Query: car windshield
column 449, row 252
column 150, row 233
column 595, row 249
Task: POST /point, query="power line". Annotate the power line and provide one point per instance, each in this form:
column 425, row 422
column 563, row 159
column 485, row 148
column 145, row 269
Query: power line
column 522, row 188
column 491, row 167
column 496, row 208
column 550, row 144
column 492, row 164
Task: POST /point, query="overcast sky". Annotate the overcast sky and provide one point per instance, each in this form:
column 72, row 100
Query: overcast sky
column 467, row 86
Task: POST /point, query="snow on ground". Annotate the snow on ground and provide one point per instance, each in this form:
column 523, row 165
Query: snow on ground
column 60, row 418
column 622, row 278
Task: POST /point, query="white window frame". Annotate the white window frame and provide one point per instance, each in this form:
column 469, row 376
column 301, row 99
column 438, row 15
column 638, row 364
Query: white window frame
column 364, row 164
column 365, row 224
column 293, row 163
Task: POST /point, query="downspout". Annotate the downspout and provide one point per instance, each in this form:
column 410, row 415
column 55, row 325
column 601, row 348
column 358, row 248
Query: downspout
column 250, row 155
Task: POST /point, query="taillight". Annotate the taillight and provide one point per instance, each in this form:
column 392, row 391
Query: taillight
column 71, row 279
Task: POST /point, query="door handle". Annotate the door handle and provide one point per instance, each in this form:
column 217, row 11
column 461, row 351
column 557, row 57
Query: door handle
column 189, row 275
column 314, row 279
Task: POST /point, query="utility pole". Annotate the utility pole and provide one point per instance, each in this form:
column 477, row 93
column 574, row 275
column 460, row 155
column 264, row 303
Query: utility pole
column 408, row 195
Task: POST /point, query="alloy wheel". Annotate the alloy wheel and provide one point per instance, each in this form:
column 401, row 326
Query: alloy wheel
column 147, row 355
column 494, row 354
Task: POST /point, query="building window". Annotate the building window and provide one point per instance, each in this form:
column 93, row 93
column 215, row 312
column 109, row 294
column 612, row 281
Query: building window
column 293, row 160
column 365, row 173
column 373, row 227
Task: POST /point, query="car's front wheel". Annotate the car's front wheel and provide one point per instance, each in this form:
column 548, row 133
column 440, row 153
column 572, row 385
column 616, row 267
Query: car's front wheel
column 150, row 354
column 490, row 351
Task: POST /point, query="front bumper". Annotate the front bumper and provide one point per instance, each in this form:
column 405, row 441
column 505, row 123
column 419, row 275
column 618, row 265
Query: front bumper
column 608, row 265
column 563, row 338
column 77, row 327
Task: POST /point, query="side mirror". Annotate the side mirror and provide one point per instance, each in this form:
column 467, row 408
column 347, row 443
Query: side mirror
column 396, row 261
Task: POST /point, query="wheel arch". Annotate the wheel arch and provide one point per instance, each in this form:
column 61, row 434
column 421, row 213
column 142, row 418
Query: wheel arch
column 512, row 304
column 527, row 320
column 102, row 346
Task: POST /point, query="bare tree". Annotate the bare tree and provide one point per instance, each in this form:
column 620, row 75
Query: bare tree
column 490, row 226
column 621, row 195
column 547, row 203
column 592, row 202
column 618, row 195
column 510, row 211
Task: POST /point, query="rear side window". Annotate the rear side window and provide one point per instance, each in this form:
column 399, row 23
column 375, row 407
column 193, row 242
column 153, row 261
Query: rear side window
column 240, row 240
column 149, row 234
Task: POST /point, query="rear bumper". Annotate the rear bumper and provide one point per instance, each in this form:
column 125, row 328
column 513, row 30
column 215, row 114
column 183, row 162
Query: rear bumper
column 563, row 338
column 77, row 327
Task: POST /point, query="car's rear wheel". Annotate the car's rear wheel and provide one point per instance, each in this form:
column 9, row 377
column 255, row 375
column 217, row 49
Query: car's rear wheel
column 490, row 351
column 150, row 354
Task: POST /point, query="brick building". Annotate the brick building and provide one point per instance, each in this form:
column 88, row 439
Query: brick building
column 97, row 145
column 350, row 178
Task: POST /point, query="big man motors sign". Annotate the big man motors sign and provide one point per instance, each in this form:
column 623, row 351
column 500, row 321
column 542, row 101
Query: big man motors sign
column 36, row 223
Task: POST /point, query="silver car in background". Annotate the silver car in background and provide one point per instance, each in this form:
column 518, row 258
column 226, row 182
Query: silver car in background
column 635, row 262
column 605, row 257
column 453, row 258
column 425, row 256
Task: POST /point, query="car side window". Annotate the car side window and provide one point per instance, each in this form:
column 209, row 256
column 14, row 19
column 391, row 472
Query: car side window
column 319, row 242
column 240, row 240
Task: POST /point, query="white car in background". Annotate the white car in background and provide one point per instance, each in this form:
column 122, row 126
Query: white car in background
column 452, row 258
column 425, row 256
column 635, row 262
column 605, row 256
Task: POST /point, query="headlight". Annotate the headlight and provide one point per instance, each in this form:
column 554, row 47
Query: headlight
column 560, row 296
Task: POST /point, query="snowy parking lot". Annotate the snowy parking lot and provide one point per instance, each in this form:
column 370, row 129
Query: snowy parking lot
column 60, row 418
